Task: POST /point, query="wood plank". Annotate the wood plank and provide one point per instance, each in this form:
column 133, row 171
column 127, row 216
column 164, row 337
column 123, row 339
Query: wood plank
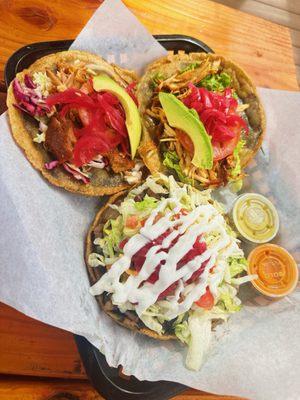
column 261, row 47
column 30, row 347
column 295, row 36
column 297, row 55
column 31, row 389
column 298, row 73
column 268, row 11
column 288, row 5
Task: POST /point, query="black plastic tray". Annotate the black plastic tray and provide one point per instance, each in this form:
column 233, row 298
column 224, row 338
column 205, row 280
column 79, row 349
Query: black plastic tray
column 106, row 380
column 26, row 55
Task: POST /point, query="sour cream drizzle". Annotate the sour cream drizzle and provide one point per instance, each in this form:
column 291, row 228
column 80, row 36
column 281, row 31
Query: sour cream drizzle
column 203, row 219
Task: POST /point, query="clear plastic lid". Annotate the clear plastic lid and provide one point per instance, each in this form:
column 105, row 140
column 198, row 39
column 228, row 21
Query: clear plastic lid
column 255, row 218
column 276, row 269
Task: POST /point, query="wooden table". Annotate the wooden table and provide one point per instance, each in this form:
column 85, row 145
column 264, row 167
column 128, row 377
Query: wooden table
column 34, row 357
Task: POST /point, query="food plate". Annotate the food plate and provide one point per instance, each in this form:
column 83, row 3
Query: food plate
column 106, row 380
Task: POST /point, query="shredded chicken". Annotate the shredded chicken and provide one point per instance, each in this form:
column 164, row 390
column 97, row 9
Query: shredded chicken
column 68, row 75
column 180, row 80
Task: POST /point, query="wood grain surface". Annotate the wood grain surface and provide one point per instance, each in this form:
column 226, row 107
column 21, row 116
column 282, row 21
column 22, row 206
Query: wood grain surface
column 33, row 389
column 32, row 348
column 283, row 12
column 261, row 47
column 34, row 355
column 29, row 347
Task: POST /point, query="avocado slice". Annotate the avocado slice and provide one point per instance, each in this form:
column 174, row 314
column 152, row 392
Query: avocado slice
column 181, row 117
column 103, row 82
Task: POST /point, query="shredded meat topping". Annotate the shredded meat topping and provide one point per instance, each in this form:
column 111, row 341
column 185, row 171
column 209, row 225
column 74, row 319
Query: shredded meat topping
column 60, row 139
column 119, row 162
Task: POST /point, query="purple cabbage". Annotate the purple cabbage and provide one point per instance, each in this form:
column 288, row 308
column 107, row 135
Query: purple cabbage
column 28, row 100
column 29, row 82
column 51, row 165
column 77, row 175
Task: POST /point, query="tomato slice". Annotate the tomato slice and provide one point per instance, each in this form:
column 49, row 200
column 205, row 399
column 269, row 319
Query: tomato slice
column 131, row 222
column 222, row 150
column 206, row 301
column 185, row 141
column 87, row 147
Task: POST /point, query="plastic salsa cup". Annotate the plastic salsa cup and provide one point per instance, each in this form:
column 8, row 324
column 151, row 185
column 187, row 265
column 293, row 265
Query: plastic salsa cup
column 255, row 218
column 276, row 269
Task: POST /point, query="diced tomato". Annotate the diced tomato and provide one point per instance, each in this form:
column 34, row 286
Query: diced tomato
column 222, row 150
column 181, row 212
column 143, row 221
column 206, row 301
column 131, row 222
column 185, row 141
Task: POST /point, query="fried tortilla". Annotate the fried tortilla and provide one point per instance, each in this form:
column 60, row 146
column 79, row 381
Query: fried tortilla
column 24, row 127
column 173, row 74
column 129, row 319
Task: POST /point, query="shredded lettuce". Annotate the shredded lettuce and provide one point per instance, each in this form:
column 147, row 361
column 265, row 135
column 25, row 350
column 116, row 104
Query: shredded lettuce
column 182, row 331
column 152, row 323
column 228, row 299
column 43, row 83
column 190, row 67
column 237, row 265
column 113, row 234
column 236, row 185
column 236, row 156
column 211, row 238
column 95, row 260
column 154, row 317
column 216, row 82
column 171, row 161
column 147, row 204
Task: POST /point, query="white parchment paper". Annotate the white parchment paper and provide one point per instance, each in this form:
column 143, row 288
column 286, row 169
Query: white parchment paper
column 115, row 33
column 42, row 272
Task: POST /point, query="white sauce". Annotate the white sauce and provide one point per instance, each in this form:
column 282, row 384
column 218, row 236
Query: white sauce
column 202, row 220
